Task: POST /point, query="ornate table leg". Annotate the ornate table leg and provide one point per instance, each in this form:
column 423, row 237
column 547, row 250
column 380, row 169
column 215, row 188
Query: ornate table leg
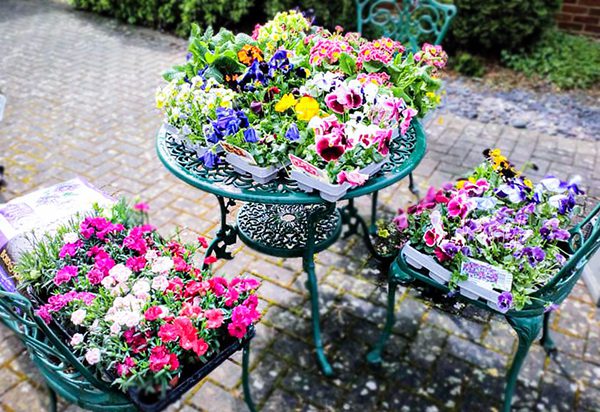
column 308, row 263
column 411, row 185
column 246, row 376
column 354, row 222
column 226, row 235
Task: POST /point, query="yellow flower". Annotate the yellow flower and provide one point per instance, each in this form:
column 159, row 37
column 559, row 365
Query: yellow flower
column 528, row 183
column 285, row 103
column 307, row 108
column 460, row 184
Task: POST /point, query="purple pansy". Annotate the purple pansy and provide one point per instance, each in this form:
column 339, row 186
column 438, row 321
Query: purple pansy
column 505, row 302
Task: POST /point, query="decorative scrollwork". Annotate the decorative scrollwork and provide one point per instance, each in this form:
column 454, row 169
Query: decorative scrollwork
column 223, row 180
column 285, row 227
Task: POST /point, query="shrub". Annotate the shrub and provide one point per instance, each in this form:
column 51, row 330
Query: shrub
column 469, row 65
column 172, row 15
column 489, row 26
column 566, row 60
column 327, row 13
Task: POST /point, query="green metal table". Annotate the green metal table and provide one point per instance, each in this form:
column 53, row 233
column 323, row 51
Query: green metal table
column 279, row 219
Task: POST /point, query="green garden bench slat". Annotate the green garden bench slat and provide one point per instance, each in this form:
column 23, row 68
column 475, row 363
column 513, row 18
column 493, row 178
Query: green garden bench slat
column 62, row 371
column 584, row 242
column 411, row 22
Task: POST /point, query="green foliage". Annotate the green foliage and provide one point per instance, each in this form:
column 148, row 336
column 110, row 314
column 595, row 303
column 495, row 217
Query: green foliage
column 469, row 65
column 172, row 15
column 327, row 13
column 566, row 60
column 489, row 26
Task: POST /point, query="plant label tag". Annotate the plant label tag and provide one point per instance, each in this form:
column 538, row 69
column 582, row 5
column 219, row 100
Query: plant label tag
column 238, row 151
column 486, row 275
column 303, row 166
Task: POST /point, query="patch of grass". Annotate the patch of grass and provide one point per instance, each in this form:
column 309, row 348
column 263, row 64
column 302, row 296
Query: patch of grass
column 468, row 64
column 568, row 61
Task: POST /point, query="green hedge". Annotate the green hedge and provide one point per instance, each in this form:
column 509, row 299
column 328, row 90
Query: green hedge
column 490, row 26
column 171, row 15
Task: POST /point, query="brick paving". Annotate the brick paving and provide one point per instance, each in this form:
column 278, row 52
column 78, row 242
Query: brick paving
column 80, row 102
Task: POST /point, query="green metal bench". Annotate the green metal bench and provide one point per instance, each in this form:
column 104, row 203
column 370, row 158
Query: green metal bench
column 411, row 22
column 584, row 242
column 63, row 373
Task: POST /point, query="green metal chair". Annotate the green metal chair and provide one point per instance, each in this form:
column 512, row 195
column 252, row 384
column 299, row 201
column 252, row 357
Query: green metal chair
column 64, row 374
column 584, row 242
column 411, row 22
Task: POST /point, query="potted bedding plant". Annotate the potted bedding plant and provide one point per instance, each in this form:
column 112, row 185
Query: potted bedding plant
column 495, row 235
column 330, row 104
column 137, row 308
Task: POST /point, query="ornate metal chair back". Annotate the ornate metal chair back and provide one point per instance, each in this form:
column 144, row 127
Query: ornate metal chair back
column 411, row 22
column 63, row 372
column 583, row 244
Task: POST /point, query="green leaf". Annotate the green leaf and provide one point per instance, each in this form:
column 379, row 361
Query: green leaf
column 372, row 66
column 209, row 57
column 347, row 64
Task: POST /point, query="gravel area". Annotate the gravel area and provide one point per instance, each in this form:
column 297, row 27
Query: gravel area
column 569, row 114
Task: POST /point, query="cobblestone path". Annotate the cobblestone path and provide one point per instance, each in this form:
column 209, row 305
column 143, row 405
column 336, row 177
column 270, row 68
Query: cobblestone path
column 80, row 102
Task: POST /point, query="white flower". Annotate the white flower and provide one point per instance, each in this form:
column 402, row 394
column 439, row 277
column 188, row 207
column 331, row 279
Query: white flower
column 160, row 283
column 164, row 311
column 151, row 255
column 92, row 356
column 120, row 289
column 78, row 316
column 108, row 282
column 76, row 339
column 95, row 324
column 141, row 288
column 115, row 328
column 162, row 264
column 120, row 272
column 70, row 237
column 132, row 319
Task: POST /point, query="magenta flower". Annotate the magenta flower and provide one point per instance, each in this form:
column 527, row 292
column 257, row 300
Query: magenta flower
column 70, row 249
column 65, row 275
column 460, row 205
column 344, row 98
column 142, row 207
column 329, row 150
column 355, row 178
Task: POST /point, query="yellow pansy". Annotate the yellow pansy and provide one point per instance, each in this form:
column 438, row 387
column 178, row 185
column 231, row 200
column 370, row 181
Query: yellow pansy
column 528, row 183
column 285, row 103
column 460, row 184
column 307, row 108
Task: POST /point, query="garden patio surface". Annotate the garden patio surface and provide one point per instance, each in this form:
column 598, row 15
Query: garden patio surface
column 80, row 102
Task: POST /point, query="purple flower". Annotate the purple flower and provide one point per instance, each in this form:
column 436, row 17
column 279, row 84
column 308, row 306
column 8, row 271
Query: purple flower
column 188, row 56
column 564, row 203
column 533, row 254
column 449, row 248
column 256, row 107
column 228, row 122
column 250, row 135
column 254, row 74
column 209, row 159
column 550, row 230
column 292, row 133
column 505, row 302
column 551, row 307
column 279, row 62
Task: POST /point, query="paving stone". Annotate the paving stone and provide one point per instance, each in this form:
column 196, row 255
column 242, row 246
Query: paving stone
column 60, row 129
column 211, row 397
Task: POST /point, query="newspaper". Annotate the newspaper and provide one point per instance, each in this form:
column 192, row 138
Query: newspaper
column 43, row 211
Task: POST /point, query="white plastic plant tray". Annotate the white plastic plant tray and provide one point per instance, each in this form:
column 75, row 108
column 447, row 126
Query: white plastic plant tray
column 467, row 288
column 329, row 191
column 260, row 174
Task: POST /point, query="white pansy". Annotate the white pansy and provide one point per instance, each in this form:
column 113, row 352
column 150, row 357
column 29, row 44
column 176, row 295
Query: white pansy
column 76, row 339
column 162, row 264
column 70, row 237
column 92, row 356
column 78, row 316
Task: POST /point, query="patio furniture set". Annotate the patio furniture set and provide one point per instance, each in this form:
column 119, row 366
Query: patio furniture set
column 282, row 218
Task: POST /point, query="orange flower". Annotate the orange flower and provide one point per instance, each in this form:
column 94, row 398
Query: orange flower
column 249, row 53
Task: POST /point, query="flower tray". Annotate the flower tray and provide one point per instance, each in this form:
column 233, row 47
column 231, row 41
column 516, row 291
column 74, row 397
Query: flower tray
column 467, row 288
column 194, row 147
column 260, row 174
column 190, row 377
column 330, row 191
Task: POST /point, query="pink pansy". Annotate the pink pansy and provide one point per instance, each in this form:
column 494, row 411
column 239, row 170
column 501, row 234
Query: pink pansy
column 476, row 189
column 383, row 137
column 407, row 116
column 355, row 178
column 344, row 98
column 460, row 205
column 214, row 318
